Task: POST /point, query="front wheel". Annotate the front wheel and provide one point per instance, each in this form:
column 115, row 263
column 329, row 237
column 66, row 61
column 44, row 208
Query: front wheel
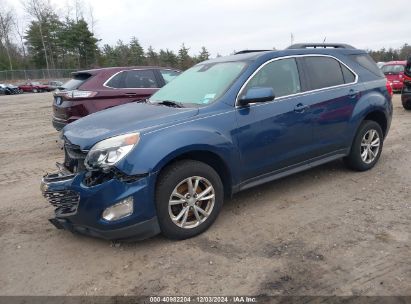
column 34, row 90
column 189, row 197
column 366, row 148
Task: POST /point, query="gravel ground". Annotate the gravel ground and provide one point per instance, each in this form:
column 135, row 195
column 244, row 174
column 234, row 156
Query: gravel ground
column 326, row 231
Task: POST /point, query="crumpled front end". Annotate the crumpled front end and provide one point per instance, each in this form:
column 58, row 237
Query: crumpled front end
column 82, row 199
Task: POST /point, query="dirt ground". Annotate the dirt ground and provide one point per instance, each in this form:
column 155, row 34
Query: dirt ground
column 326, row 231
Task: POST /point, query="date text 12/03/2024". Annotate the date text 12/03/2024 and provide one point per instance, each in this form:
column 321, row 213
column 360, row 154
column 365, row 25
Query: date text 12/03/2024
column 204, row 299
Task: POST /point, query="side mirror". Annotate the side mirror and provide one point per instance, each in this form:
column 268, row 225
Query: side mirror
column 256, row 94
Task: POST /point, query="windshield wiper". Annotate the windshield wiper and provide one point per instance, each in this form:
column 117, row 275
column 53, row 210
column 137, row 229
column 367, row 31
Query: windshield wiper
column 170, row 103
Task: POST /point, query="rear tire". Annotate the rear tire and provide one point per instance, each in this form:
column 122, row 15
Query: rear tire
column 407, row 105
column 34, row 90
column 184, row 213
column 366, row 148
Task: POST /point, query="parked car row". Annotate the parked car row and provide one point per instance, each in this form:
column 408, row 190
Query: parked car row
column 37, row 87
column 225, row 125
column 31, row 86
column 9, row 89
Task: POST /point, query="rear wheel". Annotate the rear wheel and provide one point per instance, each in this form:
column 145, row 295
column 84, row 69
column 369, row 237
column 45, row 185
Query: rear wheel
column 407, row 105
column 366, row 148
column 189, row 197
column 34, row 90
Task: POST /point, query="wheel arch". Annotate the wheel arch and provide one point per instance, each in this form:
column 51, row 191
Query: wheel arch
column 208, row 157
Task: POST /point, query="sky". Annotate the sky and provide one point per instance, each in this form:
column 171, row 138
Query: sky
column 223, row 26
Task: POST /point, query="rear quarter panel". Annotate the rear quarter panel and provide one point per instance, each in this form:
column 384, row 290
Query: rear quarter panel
column 374, row 97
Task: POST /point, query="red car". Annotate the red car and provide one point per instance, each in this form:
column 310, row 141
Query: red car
column 394, row 72
column 35, row 87
column 95, row 90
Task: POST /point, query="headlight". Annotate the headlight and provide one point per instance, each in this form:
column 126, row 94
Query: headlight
column 108, row 152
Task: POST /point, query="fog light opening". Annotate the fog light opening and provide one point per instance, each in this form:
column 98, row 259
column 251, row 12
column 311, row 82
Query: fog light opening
column 120, row 210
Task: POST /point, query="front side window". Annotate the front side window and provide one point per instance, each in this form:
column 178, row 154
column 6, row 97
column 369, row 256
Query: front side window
column 281, row 75
column 200, row 85
column 323, row 72
column 169, row 75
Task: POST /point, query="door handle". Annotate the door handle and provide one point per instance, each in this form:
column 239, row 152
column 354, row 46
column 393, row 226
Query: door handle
column 130, row 94
column 299, row 108
column 353, row 93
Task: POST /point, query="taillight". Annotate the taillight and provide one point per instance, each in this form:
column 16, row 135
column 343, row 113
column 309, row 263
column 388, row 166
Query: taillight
column 389, row 88
column 79, row 94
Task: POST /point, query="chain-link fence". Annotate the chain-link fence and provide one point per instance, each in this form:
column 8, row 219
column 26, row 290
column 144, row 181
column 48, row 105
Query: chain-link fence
column 21, row 75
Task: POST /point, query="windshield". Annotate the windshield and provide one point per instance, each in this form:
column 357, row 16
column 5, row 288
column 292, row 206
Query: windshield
column 392, row 69
column 35, row 83
column 200, row 85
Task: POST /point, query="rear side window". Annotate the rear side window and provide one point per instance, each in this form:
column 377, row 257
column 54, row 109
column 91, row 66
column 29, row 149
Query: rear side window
column 368, row 63
column 76, row 81
column 169, row 75
column 323, row 72
column 349, row 76
column 133, row 79
column 281, row 75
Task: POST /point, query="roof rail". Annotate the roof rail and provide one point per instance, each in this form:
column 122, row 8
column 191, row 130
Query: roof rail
column 250, row 51
column 321, row 46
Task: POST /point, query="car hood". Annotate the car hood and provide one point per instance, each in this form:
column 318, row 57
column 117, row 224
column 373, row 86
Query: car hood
column 127, row 118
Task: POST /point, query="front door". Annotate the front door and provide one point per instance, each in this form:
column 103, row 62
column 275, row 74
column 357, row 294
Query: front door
column 277, row 134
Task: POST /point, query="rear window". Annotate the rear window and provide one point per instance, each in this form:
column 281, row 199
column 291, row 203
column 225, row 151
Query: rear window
column 368, row 63
column 392, row 69
column 323, row 72
column 76, row 81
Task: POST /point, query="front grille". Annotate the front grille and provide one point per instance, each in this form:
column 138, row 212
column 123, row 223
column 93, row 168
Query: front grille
column 65, row 201
column 74, row 157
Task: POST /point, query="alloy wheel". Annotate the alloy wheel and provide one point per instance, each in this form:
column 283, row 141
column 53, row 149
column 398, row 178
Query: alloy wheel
column 370, row 146
column 191, row 202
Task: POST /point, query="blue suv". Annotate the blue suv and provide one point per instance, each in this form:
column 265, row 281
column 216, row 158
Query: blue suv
column 224, row 125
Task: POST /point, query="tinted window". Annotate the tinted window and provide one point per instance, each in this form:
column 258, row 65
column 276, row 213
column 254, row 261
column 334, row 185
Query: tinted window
column 139, row 79
column 76, row 81
column 281, row 75
column 323, row 72
column 368, row 63
column 348, row 75
column 408, row 68
column 169, row 75
column 133, row 79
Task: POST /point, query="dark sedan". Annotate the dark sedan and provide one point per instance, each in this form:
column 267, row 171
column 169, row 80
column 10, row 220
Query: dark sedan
column 95, row 90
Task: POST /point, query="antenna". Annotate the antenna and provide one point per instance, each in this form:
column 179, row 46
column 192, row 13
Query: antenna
column 325, row 38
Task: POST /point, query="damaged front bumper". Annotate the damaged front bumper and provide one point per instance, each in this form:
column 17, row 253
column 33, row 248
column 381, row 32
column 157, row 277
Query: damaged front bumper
column 79, row 206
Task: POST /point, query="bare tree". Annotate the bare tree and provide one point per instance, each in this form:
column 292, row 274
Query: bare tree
column 6, row 22
column 39, row 9
column 92, row 20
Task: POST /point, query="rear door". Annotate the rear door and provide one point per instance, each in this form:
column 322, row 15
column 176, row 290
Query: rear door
column 335, row 92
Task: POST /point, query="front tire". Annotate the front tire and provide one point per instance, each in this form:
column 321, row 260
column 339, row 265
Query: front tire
column 366, row 148
column 189, row 197
column 34, row 90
